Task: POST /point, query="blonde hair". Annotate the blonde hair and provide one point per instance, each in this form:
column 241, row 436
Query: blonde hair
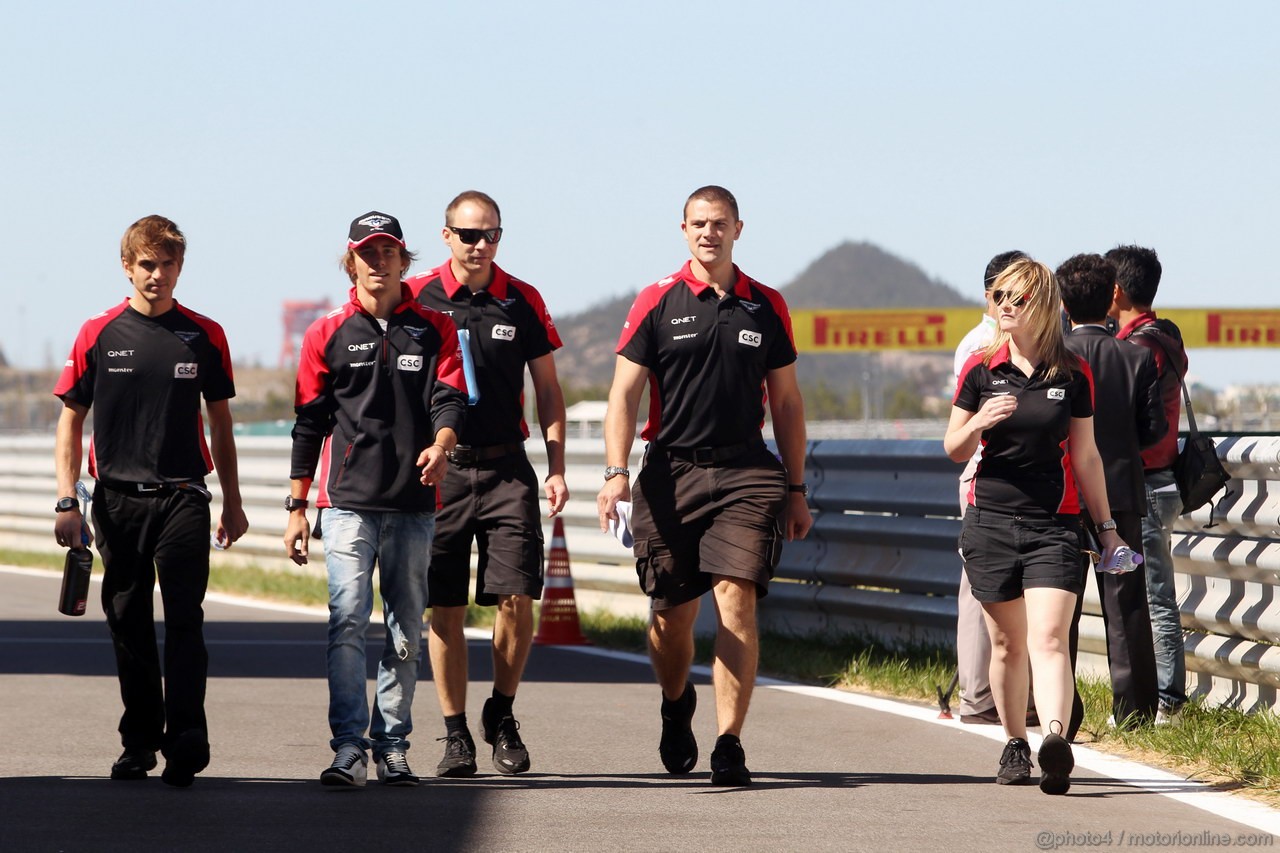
column 1030, row 278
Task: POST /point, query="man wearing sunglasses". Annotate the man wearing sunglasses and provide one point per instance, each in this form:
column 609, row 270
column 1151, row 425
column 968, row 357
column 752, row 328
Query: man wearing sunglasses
column 491, row 493
column 711, row 503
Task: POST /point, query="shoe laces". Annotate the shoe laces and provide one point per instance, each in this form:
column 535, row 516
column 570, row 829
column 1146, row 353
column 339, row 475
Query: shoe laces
column 509, row 733
column 346, row 758
column 456, row 746
column 396, row 762
column 1016, row 752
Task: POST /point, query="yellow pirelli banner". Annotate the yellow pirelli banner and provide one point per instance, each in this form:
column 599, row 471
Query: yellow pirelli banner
column 941, row 329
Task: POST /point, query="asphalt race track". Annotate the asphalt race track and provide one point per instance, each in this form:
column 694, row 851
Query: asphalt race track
column 833, row 771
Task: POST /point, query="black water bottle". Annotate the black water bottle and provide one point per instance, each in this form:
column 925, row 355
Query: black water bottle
column 75, row 581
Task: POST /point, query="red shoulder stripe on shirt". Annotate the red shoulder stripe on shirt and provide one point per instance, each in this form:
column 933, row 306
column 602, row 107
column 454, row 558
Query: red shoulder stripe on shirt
column 534, row 298
column 217, row 337
column 312, row 367
column 78, row 362
column 646, row 301
column 779, row 306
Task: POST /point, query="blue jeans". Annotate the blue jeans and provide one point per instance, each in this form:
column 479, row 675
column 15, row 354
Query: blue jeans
column 400, row 544
column 1163, row 509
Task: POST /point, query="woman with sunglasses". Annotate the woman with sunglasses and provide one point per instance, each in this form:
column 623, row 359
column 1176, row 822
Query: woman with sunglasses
column 1029, row 403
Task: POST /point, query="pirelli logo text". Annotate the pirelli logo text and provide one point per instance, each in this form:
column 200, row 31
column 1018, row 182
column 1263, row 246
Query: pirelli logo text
column 865, row 330
column 1242, row 328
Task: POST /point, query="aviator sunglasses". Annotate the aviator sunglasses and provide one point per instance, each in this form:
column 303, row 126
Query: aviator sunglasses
column 471, row 236
column 999, row 296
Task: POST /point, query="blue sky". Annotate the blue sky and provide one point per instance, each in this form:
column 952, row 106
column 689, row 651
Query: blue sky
column 942, row 132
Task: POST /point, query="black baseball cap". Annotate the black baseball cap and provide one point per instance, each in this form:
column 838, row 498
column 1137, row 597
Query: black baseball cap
column 374, row 224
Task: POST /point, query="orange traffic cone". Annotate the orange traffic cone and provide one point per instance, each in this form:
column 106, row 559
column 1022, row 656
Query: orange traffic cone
column 559, row 625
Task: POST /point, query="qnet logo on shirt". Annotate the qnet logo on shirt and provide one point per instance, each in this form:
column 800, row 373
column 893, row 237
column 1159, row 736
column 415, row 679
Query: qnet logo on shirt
column 186, row 370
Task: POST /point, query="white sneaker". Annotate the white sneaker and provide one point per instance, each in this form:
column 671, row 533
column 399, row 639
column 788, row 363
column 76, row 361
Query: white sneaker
column 1167, row 716
column 349, row 767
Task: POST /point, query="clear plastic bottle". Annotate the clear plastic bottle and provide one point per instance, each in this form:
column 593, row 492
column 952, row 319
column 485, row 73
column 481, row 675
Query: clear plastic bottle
column 1123, row 560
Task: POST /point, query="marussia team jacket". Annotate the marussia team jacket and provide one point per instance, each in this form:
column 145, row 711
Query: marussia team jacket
column 369, row 400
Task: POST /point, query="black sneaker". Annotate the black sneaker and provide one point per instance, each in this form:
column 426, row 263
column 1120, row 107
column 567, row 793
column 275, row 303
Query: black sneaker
column 729, row 763
column 1056, row 762
column 509, row 753
column 1015, row 763
column 678, row 747
column 133, row 764
column 393, row 769
column 184, row 758
column 459, row 756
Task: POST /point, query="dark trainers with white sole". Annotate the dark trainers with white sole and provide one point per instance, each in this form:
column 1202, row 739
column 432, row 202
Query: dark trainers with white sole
column 459, row 756
column 509, row 753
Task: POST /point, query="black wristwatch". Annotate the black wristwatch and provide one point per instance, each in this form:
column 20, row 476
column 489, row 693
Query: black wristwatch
column 613, row 471
column 798, row 488
column 291, row 503
column 67, row 505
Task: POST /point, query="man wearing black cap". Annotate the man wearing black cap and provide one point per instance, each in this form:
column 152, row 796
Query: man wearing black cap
column 380, row 400
column 491, row 495
column 145, row 364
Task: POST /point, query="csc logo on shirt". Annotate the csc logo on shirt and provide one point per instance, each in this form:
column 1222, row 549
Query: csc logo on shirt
column 185, row 370
column 409, row 362
column 751, row 339
column 1057, row 393
column 504, row 333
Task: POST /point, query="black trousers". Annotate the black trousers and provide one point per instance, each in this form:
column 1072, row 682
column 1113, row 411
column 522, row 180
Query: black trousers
column 1131, row 656
column 142, row 537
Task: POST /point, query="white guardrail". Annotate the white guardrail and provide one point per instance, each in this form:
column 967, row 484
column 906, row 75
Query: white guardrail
column 1228, row 576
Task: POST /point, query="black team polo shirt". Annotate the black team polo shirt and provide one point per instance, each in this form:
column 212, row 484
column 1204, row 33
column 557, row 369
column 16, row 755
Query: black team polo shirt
column 509, row 327
column 1025, row 466
column 144, row 377
column 707, row 357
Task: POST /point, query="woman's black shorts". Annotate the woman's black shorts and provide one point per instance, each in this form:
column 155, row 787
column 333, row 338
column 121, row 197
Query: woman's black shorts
column 1006, row 554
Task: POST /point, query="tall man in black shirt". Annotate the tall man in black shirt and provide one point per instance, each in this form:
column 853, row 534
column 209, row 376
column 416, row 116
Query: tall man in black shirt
column 711, row 503
column 1128, row 417
column 145, row 364
column 490, row 495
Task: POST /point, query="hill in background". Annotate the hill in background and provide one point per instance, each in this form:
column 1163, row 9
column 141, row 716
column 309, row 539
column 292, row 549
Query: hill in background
column 851, row 275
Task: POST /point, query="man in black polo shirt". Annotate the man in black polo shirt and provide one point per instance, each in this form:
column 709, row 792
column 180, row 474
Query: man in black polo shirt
column 491, row 493
column 710, row 498
column 145, row 364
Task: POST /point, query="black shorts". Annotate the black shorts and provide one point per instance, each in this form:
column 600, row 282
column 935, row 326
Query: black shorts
column 496, row 505
column 693, row 522
column 1006, row 554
